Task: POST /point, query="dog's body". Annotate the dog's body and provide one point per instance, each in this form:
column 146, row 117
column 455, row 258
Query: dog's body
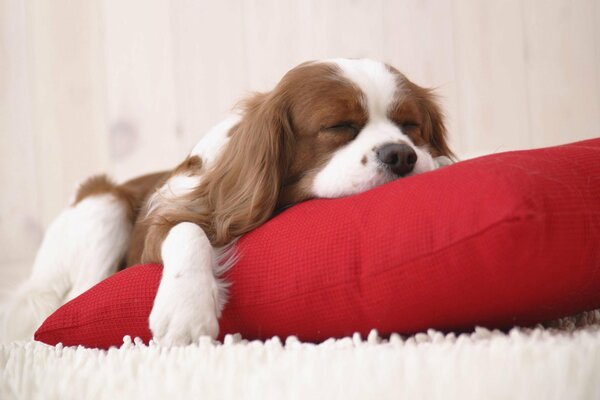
column 329, row 129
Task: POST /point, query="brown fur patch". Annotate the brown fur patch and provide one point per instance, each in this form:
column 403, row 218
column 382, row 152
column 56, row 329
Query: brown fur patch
column 322, row 99
column 99, row 185
column 146, row 243
column 138, row 190
column 94, row 186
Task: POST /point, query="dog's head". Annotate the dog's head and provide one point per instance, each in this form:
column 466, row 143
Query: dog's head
column 329, row 129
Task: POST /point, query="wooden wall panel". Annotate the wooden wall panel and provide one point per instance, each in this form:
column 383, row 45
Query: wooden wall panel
column 140, row 84
column 492, row 113
column 67, row 98
column 354, row 29
column 562, row 70
column 210, row 72
column 278, row 35
column 418, row 40
column 20, row 226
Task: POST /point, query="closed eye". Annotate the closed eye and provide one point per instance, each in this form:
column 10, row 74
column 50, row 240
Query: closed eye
column 344, row 127
column 409, row 126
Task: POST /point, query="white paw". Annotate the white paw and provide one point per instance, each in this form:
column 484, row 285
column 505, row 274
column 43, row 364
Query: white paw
column 186, row 305
column 180, row 318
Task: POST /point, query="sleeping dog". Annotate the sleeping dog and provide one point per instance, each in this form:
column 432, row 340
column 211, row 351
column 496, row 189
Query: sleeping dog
column 330, row 128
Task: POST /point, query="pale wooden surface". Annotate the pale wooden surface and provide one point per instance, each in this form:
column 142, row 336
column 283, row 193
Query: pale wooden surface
column 127, row 87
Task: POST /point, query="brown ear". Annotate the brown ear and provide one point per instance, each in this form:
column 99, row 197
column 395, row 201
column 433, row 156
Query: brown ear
column 243, row 187
column 434, row 130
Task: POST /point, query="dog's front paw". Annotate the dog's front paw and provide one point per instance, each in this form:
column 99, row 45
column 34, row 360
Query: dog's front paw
column 178, row 321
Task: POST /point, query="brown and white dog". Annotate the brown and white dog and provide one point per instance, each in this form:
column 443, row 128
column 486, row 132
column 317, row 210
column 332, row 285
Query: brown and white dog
column 330, row 128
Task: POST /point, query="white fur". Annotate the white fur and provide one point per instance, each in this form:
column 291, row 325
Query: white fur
column 187, row 303
column 210, row 146
column 377, row 83
column 344, row 174
column 83, row 246
column 166, row 196
column 179, row 185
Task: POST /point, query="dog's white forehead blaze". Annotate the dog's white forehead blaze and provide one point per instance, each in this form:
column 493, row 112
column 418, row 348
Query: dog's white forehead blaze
column 378, row 84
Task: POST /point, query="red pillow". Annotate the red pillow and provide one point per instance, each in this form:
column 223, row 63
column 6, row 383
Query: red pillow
column 506, row 239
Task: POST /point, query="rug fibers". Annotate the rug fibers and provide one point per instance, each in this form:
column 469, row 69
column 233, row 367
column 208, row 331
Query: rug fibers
column 557, row 362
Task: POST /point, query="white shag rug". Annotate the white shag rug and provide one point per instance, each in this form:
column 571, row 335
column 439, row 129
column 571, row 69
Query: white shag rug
column 562, row 362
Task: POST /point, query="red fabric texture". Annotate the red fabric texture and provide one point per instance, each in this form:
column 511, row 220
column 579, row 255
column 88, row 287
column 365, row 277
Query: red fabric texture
column 502, row 240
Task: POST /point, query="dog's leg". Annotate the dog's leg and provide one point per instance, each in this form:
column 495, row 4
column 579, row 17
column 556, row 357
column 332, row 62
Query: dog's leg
column 101, row 242
column 189, row 296
column 84, row 245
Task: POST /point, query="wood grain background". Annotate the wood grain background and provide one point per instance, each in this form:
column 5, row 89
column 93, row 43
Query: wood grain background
column 129, row 86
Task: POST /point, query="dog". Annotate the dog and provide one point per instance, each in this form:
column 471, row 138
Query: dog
column 329, row 128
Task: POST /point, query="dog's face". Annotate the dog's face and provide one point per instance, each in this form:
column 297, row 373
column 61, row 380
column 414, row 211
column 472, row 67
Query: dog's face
column 328, row 129
column 354, row 125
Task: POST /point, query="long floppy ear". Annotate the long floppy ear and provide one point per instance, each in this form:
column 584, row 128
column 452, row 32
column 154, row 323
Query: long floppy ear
column 434, row 130
column 242, row 188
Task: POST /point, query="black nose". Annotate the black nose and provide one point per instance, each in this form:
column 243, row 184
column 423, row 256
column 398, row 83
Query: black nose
column 399, row 157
